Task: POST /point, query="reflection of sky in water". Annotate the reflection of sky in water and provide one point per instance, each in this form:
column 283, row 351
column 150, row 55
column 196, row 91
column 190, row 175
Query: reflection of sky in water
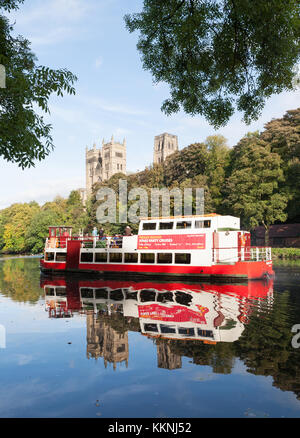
column 45, row 372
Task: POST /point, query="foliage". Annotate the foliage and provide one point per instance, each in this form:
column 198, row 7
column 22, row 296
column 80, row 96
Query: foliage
column 252, row 188
column 24, row 135
column 218, row 56
column 286, row 253
column 283, row 136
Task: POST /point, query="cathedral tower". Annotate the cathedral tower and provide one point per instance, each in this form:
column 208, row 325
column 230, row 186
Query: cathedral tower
column 164, row 145
column 104, row 162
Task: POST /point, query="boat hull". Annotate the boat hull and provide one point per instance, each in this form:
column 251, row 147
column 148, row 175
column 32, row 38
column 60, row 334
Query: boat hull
column 252, row 270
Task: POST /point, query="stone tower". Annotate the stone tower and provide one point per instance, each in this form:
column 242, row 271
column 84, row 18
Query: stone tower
column 103, row 163
column 164, row 145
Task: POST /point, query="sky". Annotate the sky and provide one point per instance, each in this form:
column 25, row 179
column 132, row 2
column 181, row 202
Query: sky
column 114, row 96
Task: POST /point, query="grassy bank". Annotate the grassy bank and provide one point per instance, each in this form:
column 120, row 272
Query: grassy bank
column 285, row 253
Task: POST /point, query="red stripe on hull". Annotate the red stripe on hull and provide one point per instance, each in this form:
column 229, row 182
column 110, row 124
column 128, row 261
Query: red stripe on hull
column 246, row 270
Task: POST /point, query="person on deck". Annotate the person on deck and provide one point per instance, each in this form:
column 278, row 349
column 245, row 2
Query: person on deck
column 128, row 231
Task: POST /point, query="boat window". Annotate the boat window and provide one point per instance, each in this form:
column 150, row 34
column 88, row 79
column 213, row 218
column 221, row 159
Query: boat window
column 165, row 297
column 205, row 333
column 183, row 298
column 166, row 225
column 101, row 293
column 202, row 224
column 52, row 232
column 49, row 256
column 101, row 257
column 49, row 291
column 150, row 328
column 149, row 226
column 115, row 257
column 147, row 295
column 131, row 257
column 87, row 257
column 183, row 258
column 164, row 258
column 131, row 295
column 87, row 292
column 188, row 331
column 61, row 256
column 183, row 225
column 147, row 258
column 116, row 295
column 61, row 292
column 167, row 329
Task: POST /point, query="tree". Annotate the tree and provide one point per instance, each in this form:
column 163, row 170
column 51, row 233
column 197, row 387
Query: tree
column 217, row 163
column 187, row 163
column 76, row 214
column 38, row 229
column 219, row 55
column 15, row 222
column 252, row 188
column 24, row 135
column 283, row 136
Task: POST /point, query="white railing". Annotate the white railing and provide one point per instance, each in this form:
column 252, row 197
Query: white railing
column 234, row 254
column 86, row 242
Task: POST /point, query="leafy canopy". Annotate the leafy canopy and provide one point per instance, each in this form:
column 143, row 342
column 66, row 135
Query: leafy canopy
column 24, row 135
column 219, row 55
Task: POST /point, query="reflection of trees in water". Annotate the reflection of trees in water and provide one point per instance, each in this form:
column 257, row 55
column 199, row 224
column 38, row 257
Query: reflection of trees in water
column 20, row 279
column 265, row 345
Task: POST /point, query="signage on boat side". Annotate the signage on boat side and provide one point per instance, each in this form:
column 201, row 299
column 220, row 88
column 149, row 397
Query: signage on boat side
column 172, row 241
column 173, row 313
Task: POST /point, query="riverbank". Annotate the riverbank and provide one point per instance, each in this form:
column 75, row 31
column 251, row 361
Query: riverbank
column 286, row 253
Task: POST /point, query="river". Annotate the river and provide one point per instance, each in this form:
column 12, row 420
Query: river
column 76, row 347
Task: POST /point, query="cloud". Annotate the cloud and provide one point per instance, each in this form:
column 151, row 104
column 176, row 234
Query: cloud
column 45, row 191
column 51, row 21
column 113, row 107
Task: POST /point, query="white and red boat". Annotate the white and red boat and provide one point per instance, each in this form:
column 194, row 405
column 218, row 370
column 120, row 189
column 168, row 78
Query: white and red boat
column 198, row 247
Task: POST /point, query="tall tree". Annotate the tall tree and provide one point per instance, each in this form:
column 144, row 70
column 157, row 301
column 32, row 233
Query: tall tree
column 24, row 135
column 283, row 136
column 252, row 188
column 218, row 160
column 219, row 55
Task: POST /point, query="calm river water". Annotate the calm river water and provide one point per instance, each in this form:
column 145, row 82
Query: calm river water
column 93, row 348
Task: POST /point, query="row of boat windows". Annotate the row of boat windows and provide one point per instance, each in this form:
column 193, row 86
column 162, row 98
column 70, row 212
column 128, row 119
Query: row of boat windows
column 117, row 257
column 187, row 331
column 134, row 257
column 182, row 225
column 145, row 295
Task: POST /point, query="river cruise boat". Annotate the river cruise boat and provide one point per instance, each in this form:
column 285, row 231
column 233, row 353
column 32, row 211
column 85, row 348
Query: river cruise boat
column 195, row 247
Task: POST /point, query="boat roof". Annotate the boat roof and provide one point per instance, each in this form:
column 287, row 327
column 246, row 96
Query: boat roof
column 192, row 216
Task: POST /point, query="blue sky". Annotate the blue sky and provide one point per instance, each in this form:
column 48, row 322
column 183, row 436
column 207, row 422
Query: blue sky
column 114, row 95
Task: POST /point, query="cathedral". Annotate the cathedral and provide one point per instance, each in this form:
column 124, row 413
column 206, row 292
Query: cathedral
column 102, row 163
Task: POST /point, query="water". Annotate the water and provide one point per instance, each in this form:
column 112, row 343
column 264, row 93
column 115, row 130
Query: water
column 84, row 348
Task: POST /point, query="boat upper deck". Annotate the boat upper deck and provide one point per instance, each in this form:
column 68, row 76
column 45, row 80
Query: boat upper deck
column 188, row 224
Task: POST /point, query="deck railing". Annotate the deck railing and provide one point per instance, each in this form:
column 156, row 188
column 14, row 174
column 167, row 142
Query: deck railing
column 86, row 242
column 249, row 253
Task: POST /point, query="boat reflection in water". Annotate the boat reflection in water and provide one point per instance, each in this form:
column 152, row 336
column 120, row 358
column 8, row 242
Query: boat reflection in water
column 167, row 312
